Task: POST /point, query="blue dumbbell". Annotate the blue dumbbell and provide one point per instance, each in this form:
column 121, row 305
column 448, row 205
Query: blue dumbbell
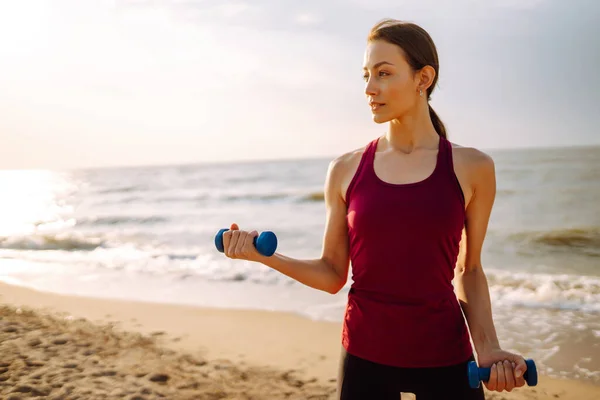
column 265, row 243
column 477, row 374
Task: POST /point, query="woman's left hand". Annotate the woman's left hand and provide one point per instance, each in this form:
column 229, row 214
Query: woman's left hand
column 507, row 370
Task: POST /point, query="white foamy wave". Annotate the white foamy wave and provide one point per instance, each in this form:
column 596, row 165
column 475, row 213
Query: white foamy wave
column 137, row 258
column 522, row 289
column 536, row 290
column 122, row 220
column 63, row 241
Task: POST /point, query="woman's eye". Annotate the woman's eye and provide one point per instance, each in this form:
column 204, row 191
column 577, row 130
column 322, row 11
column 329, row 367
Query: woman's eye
column 381, row 73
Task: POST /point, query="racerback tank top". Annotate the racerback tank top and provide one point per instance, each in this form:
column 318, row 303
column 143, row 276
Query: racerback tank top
column 404, row 240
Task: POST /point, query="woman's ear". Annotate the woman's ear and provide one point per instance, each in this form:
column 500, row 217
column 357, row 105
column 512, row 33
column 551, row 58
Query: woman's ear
column 426, row 77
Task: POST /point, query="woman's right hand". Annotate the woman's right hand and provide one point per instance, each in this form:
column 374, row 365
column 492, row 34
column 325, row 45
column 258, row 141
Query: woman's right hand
column 239, row 244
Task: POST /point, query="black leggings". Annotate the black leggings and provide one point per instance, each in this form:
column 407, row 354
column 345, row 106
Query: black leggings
column 365, row 380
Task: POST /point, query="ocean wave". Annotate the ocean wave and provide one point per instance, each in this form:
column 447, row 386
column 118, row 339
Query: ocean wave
column 123, row 189
column 536, row 290
column 175, row 199
column 315, row 196
column 255, row 197
column 508, row 289
column 303, row 197
column 584, row 238
column 127, row 200
column 68, row 242
column 118, row 220
column 247, row 179
column 151, row 200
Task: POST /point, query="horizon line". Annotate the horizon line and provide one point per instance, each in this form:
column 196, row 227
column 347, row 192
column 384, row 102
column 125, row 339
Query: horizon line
column 276, row 159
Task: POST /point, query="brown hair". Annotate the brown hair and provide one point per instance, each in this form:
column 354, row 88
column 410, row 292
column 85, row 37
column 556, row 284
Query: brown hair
column 419, row 51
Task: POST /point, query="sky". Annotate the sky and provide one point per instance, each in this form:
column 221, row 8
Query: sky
column 150, row 82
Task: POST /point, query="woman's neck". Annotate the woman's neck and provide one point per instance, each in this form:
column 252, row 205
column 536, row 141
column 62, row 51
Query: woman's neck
column 412, row 132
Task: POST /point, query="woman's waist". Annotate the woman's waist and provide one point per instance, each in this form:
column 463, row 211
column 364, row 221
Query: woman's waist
column 409, row 318
column 410, row 297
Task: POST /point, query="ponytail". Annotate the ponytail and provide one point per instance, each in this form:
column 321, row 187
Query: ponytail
column 437, row 123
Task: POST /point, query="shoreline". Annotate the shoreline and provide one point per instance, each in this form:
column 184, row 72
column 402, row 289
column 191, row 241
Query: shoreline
column 282, row 341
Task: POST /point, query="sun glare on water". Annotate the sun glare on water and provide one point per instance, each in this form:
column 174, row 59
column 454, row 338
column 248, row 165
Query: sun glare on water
column 33, row 201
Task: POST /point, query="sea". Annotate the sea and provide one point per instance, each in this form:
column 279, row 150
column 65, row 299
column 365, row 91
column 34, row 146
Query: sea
column 147, row 233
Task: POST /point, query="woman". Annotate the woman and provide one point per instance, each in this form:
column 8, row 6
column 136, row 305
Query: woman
column 410, row 211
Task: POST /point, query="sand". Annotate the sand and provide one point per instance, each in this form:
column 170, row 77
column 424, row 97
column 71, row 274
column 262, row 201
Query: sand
column 66, row 347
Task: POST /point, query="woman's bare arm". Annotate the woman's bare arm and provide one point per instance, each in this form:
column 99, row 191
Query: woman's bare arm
column 470, row 280
column 329, row 272
column 471, row 284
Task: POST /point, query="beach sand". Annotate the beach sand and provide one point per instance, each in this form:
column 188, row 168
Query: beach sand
column 66, row 347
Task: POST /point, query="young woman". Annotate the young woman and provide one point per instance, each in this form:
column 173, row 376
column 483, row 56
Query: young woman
column 410, row 212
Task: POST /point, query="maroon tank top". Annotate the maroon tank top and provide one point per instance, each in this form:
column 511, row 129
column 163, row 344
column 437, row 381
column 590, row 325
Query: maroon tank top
column 404, row 240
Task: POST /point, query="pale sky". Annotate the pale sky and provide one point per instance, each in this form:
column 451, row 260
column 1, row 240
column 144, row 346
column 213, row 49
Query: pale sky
column 137, row 82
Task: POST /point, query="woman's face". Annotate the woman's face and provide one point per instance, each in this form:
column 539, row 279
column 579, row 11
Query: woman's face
column 391, row 84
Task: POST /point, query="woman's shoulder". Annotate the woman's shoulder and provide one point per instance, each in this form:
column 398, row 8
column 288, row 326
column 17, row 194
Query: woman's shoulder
column 471, row 157
column 348, row 161
column 472, row 165
column 343, row 168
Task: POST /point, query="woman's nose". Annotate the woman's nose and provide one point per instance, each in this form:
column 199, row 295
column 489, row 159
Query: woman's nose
column 371, row 88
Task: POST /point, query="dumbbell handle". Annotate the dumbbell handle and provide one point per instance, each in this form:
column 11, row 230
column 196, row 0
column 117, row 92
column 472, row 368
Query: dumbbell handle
column 265, row 243
column 477, row 374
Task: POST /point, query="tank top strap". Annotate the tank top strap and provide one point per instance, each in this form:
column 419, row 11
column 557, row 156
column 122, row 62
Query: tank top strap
column 368, row 160
column 447, row 164
column 444, row 157
column 370, row 154
column 365, row 166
